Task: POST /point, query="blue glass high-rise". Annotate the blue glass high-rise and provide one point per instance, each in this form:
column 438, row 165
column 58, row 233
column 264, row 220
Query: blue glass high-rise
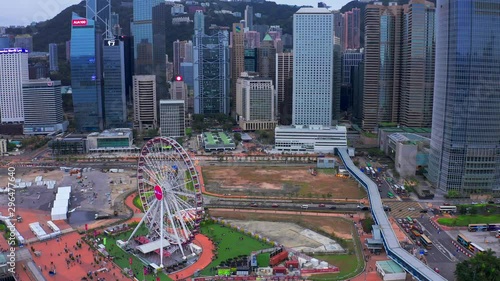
column 115, row 108
column 465, row 141
column 142, row 27
column 84, row 75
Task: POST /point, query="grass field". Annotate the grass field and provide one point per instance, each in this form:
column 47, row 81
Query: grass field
column 464, row 220
column 279, row 181
column 263, row 259
column 230, row 245
column 347, row 264
column 122, row 258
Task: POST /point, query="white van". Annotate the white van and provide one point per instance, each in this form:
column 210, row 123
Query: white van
column 305, row 207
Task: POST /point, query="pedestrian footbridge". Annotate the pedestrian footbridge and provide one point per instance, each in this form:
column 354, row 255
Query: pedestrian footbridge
column 391, row 244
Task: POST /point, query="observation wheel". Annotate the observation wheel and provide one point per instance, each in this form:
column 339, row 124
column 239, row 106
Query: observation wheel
column 170, row 193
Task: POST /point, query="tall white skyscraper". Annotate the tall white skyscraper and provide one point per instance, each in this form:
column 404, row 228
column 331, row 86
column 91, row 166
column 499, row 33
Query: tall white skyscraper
column 13, row 73
column 313, row 42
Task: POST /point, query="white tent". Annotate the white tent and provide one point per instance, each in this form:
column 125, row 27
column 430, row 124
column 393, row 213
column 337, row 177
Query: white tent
column 60, row 203
column 64, row 190
column 59, row 213
column 62, row 196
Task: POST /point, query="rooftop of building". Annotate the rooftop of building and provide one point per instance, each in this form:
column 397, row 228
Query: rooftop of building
column 118, row 132
column 408, row 137
column 213, row 138
column 171, row 101
column 42, row 81
column 390, row 266
column 406, row 130
column 306, row 10
column 312, row 128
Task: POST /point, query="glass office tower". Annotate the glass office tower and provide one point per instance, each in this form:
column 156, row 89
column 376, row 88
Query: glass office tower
column 115, row 108
column 84, row 74
column 465, row 143
column 142, row 28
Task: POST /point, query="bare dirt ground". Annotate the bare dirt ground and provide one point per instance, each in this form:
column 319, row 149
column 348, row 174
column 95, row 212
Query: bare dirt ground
column 281, row 181
column 30, row 176
column 333, row 226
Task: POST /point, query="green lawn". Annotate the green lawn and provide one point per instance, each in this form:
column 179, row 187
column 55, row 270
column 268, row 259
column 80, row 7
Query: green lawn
column 464, row 220
column 263, row 259
column 122, row 258
column 137, row 202
column 348, row 264
column 230, row 245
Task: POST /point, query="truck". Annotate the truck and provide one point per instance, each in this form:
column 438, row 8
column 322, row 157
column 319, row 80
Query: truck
column 102, row 216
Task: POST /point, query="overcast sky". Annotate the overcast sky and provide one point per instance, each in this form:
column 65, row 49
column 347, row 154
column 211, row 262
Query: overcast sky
column 25, row 12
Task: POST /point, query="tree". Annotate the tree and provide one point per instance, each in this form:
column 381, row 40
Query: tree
column 462, row 209
column 237, row 137
column 482, row 267
column 367, row 224
column 11, row 146
column 473, row 210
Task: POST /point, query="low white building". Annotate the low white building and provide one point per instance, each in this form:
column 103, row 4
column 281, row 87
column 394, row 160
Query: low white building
column 309, row 139
column 390, row 271
column 3, row 146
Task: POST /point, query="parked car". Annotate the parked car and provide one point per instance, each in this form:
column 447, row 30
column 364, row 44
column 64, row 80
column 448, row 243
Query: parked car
column 333, row 208
column 400, row 221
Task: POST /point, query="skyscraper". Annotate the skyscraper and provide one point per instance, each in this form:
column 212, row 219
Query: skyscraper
column 87, row 94
column 142, row 30
column 211, row 70
column 53, row 59
column 100, row 12
column 249, row 17
column 399, row 64
column 465, row 141
column 115, row 106
column 237, row 58
column 145, row 111
column 352, row 29
column 172, row 118
column 267, row 59
column 255, row 102
column 13, row 73
column 383, row 32
column 313, row 67
column 417, row 81
column 45, row 94
column 284, row 73
column 161, row 14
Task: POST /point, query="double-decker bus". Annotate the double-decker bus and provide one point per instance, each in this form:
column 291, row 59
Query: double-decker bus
column 426, row 242
column 448, row 209
column 473, row 247
column 463, row 241
column 477, row 227
column 493, row 226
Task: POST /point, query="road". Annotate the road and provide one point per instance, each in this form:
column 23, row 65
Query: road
column 279, row 204
column 443, row 254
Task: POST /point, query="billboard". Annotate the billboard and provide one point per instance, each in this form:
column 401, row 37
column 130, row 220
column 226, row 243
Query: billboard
column 79, row 22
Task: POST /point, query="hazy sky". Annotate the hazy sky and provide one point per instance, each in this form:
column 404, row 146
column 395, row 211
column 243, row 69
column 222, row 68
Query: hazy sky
column 25, row 12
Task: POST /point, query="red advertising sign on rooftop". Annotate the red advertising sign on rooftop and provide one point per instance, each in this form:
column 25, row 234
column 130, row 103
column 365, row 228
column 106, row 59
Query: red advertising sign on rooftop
column 79, row 22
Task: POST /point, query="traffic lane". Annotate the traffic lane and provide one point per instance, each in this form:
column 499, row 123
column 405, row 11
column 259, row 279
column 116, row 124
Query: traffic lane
column 441, row 237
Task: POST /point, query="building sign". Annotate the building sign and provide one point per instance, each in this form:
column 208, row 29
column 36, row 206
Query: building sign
column 79, row 22
column 178, row 78
column 111, row 43
column 13, row 50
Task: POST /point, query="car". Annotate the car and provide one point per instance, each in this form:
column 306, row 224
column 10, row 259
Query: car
column 419, row 243
column 400, row 221
column 333, row 208
column 474, row 203
column 407, row 230
column 321, row 205
column 436, row 270
column 253, row 204
column 423, row 211
column 405, row 220
column 411, row 209
column 275, row 205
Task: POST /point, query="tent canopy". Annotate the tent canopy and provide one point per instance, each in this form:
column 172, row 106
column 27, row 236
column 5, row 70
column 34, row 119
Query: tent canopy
column 152, row 246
